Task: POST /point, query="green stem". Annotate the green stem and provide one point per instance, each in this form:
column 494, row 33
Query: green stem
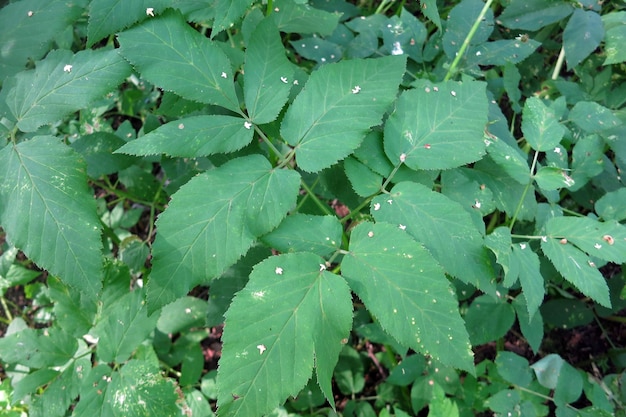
column 317, row 201
column 559, row 64
column 530, row 183
column 383, row 187
column 358, row 209
column 270, row 145
column 467, row 40
column 7, row 312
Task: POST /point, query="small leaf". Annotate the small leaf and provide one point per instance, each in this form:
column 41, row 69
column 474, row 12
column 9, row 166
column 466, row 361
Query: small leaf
column 305, row 233
column 540, row 126
column 582, row 35
column 615, row 37
column 227, row 12
column 593, row 117
column 361, row 90
column 532, row 329
column 553, row 178
column 442, row 225
column 612, row 205
column 192, row 137
column 513, row 368
column 364, row 181
column 509, row 159
column 530, row 277
column 431, row 123
column 460, row 21
column 502, row 51
column 188, row 63
column 429, row 8
column 97, row 150
column 268, row 74
column 404, row 287
column 534, row 14
column 290, row 315
column 488, row 319
column 294, row 17
column 182, row 314
column 63, row 83
column 214, row 219
column 61, row 232
column 577, row 268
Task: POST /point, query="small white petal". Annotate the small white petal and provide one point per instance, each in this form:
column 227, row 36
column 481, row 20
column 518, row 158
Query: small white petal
column 284, row 79
column 322, row 267
column 150, row 11
column 67, row 68
column 223, row 75
column 402, row 227
column 278, row 270
column 376, row 206
column 247, row 125
column 356, row 89
column 261, row 348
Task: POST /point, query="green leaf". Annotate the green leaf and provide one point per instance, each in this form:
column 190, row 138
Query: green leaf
column 214, row 219
column 593, row 117
column 349, row 372
column 364, row 181
column 612, row 205
column 429, row 8
column 139, row 390
column 582, row 35
column 227, row 12
column 513, row 368
column 92, row 393
column 502, row 51
column 63, row 83
column 291, row 314
column 509, row 159
column 553, row 178
column 431, row 123
column 97, row 150
column 442, row 225
column 193, row 136
column 534, row 14
column 107, row 17
column 577, row 268
column 460, row 21
column 358, row 90
column 36, row 349
column 488, row 319
column 28, row 28
column 169, row 53
column 123, row 326
column 615, row 37
column 305, row 233
column 530, row 277
column 500, row 243
column 293, row 17
column 61, row 232
column 541, row 128
column 74, row 312
column 603, row 240
column 404, row 287
column 532, row 329
column 268, row 74
column 182, row 314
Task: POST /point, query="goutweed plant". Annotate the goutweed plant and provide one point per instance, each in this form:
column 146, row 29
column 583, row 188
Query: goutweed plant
column 339, row 183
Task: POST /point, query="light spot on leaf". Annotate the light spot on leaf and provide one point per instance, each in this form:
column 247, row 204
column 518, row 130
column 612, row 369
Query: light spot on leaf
column 278, row 270
column 187, row 310
column 247, row 125
column 370, row 234
column 402, row 227
column 597, row 246
column 261, row 348
column 397, row 49
column 181, row 126
column 150, row 11
column 67, row 68
column 376, row 206
column 522, row 246
column 453, row 93
column 322, row 267
column 223, row 75
column 356, row 89
column 284, row 80
column 30, row 13
column 563, row 241
column 402, row 157
column 608, row 239
column 258, row 294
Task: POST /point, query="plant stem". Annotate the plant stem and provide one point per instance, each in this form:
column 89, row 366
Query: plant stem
column 358, row 209
column 559, row 64
column 317, row 201
column 467, row 40
column 7, row 312
column 530, row 183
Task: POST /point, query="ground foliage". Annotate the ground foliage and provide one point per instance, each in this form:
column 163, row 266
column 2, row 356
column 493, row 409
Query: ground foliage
column 324, row 207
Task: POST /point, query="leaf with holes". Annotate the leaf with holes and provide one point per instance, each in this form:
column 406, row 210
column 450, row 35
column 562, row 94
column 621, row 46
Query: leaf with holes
column 357, row 90
column 405, row 288
column 213, row 220
column 48, row 211
column 432, row 122
column 169, row 53
column 291, row 315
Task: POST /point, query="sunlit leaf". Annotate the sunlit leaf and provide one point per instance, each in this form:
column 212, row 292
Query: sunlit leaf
column 582, row 35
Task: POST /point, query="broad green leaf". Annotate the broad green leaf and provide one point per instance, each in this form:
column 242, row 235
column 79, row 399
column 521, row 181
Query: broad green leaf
column 48, row 211
column 63, row 83
column 577, row 268
column 290, row 315
column 357, row 90
column 92, row 393
column 532, row 329
column 193, row 136
column 603, row 240
column 28, row 28
column 502, row 51
column 508, row 159
column 123, row 326
column 305, row 233
column 540, row 126
column 30, row 382
column 593, row 117
column 429, row 8
column 404, row 287
column 612, row 205
column 97, row 150
column 615, row 37
column 320, row 50
column 107, row 17
column 442, row 225
column 460, row 21
column 511, row 78
column 514, row 368
column 214, row 219
column 169, row 53
column 500, row 243
column 431, row 123
column 553, row 178
column 74, row 312
column 227, row 12
column 441, row 405
column 488, row 319
column 475, row 198
column 372, row 154
column 582, row 35
column 38, row 349
column 182, row 314
column 139, row 389
column 364, row 181
column 293, row 17
column 567, row 313
column 587, row 160
column 534, row 14
column 530, row 277
column 268, row 74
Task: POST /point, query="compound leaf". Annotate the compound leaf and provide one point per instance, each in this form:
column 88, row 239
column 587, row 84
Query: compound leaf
column 268, row 74
column 169, row 53
column 357, row 90
column 63, row 83
column 214, row 219
column 290, row 315
column 431, row 123
column 577, row 268
column 404, row 287
column 442, row 225
column 540, row 126
column 48, row 212
column 193, row 137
